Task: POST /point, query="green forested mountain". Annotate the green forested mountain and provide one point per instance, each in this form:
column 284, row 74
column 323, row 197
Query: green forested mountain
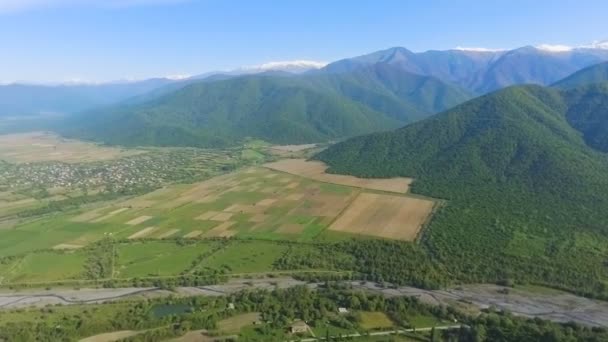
column 401, row 94
column 526, row 193
column 588, row 113
column 279, row 109
column 594, row 74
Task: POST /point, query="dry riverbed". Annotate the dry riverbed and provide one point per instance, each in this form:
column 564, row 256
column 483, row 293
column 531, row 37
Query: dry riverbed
column 527, row 301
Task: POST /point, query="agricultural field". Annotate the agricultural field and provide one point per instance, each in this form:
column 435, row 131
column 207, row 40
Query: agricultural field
column 316, row 170
column 254, row 203
column 148, row 259
column 391, row 217
column 174, row 230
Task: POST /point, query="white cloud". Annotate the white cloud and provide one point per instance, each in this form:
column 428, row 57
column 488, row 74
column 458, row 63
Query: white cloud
column 7, row 6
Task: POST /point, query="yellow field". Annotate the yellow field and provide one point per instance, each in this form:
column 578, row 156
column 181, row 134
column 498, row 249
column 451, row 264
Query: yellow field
column 386, row 216
column 316, row 170
column 44, row 146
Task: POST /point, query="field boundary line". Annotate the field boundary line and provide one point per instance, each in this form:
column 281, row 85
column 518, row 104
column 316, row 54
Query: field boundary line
column 426, row 224
column 341, row 213
column 221, row 245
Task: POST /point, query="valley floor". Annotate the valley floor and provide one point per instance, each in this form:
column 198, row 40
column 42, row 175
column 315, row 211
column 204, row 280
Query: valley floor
column 529, row 301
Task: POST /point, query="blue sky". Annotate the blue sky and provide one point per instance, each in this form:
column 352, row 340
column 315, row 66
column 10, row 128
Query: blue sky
column 99, row 40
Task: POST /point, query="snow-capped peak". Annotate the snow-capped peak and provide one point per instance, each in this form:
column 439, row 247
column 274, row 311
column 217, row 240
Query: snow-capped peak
column 554, row 48
column 290, row 66
column 477, row 49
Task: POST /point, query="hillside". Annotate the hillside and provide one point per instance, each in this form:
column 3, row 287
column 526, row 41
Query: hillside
column 594, row 74
column 488, row 156
column 279, row 109
column 588, row 113
column 482, row 71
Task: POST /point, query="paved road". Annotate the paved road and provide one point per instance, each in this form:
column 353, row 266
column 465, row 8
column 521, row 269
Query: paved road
column 547, row 304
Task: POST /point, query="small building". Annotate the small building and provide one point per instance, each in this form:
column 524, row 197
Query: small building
column 342, row 311
column 299, row 327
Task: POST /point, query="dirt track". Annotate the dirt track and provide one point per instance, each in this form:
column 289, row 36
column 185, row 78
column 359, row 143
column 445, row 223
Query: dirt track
column 547, row 304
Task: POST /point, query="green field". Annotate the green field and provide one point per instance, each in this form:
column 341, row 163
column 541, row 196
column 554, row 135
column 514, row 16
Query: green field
column 157, row 258
column 245, row 257
column 44, row 267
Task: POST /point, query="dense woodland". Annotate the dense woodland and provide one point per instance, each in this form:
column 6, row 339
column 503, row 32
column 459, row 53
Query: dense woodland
column 526, row 194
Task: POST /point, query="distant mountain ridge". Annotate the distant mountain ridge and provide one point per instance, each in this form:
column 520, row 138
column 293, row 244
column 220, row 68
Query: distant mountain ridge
column 29, row 99
column 477, row 70
column 597, row 73
column 480, row 70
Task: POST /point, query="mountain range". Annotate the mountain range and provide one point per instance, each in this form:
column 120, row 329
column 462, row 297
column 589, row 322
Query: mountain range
column 375, row 92
column 477, row 70
column 279, row 108
column 32, row 99
column 482, row 71
column 523, row 173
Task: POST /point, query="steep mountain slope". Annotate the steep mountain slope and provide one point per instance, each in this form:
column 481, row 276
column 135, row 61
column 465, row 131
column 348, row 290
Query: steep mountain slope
column 526, row 196
column 401, row 94
column 482, row 71
column 24, row 99
column 588, row 113
column 597, row 73
column 281, row 109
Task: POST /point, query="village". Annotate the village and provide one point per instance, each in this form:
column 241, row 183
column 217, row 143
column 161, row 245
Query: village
column 24, row 185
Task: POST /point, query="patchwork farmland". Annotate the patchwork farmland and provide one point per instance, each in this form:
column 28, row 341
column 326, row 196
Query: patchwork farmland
column 166, row 232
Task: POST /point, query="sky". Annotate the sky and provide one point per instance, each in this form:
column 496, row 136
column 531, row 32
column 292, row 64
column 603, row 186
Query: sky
column 103, row 40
